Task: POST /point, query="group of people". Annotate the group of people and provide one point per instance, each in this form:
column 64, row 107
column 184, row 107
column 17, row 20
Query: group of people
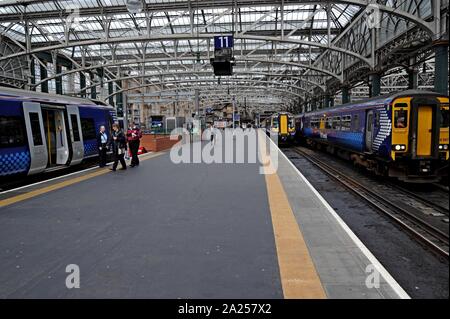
column 118, row 142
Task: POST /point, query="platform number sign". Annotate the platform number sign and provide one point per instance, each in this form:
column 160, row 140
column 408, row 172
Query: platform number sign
column 223, row 42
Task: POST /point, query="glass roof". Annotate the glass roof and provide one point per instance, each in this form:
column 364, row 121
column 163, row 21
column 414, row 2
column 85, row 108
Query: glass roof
column 170, row 34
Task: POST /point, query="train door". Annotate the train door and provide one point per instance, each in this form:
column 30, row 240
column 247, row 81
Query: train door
column 369, row 130
column 35, row 133
column 62, row 145
column 283, row 124
column 424, row 130
column 56, row 135
column 76, row 136
column 50, row 135
column 322, row 123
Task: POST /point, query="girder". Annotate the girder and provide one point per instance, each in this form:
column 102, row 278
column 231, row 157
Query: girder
column 264, row 88
column 185, row 5
column 175, row 37
column 145, row 61
column 158, row 76
column 328, row 46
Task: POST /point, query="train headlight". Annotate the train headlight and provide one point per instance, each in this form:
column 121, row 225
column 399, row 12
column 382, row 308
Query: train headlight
column 399, row 148
column 443, row 147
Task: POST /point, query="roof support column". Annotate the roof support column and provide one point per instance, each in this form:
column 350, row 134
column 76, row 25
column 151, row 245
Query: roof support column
column 110, row 93
column 441, row 51
column 29, row 58
column 94, row 87
column 441, row 68
column 197, row 103
column 413, row 79
column 119, row 100
column 374, row 84
column 319, row 102
column 327, row 100
column 309, row 105
column 314, row 104
column 32, row 73
column 82, row 85
column 282, row 19
column 346, row 95
column 58, row 80
column 70, row 82
column 329, row 24
column 44, row 75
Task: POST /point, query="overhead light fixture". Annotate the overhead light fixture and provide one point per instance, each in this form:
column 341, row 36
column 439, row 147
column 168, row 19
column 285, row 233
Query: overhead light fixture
column 134, row 6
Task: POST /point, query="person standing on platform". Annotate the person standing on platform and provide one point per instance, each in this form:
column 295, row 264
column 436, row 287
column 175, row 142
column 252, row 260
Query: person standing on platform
column 213, row 136
column 134, row 135
column 102, row 142
column 119, row 147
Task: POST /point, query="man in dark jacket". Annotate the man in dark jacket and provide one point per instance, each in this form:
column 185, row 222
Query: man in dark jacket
column 134, row 135
column 119, row 147
column 102, row 142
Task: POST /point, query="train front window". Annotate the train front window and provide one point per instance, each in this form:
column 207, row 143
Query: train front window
column 12, row 132
column 445, row 118
column 401, row 118
column 275, row 124
column 292, row 123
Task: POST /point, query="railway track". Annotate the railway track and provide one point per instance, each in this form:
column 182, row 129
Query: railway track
column 427, row 222
column 427, row 201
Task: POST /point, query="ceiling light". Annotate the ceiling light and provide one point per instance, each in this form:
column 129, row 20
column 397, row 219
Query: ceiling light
column 134, row 6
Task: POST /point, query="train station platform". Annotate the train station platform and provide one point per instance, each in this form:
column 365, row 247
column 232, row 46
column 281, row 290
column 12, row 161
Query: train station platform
column 187, row 230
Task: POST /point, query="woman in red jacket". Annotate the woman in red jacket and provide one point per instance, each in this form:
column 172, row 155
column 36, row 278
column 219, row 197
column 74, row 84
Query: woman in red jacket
column 134, row 135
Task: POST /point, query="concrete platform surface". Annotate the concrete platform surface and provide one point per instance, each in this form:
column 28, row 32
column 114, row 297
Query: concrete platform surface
column 166, row 230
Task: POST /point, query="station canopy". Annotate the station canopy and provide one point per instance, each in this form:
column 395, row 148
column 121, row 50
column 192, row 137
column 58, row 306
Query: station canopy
column 284, row 50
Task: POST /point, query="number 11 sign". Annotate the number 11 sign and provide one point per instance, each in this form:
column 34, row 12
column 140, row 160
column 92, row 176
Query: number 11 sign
column 223, row 42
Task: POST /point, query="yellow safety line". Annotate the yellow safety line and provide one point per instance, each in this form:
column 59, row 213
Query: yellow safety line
column 47, row 189
column 50, row 188
column 299, row 278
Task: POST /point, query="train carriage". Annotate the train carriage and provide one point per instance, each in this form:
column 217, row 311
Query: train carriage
column 282, row 126
column 403, row 135
column 41, row 132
